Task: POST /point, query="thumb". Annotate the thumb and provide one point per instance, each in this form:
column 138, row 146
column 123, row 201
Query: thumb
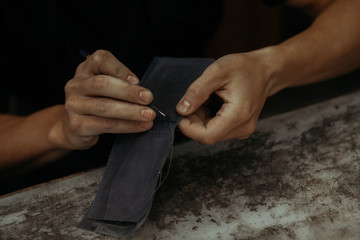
column 197, row 94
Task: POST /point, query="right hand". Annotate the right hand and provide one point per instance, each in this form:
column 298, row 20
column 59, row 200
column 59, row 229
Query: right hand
column 104, row 97
column 243, row 81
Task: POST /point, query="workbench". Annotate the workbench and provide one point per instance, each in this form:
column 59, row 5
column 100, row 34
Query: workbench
column 296, row 177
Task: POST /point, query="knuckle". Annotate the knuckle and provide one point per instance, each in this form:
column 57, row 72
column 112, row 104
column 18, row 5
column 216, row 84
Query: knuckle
column 118, row 69
column 70, row 86
column 99, row 82
column 121, row 70
column 76, row 125
column 128, row 112
column 100, row 55
column 70, row 104
column 109, row 123
column 216, row 68
column 81, row 72
column 130, row 126
column 127, row 91
column 80, row 68
column 89, row 141
column 102, row 106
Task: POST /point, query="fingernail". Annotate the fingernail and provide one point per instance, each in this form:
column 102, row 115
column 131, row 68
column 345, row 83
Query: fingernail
column 147, row 113
column 146, row 125
column 144, row 96
column 184, row 106
column 183, row 122
column 132, row 79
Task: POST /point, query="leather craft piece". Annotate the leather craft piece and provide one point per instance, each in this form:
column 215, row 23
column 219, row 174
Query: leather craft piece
column 133, row 171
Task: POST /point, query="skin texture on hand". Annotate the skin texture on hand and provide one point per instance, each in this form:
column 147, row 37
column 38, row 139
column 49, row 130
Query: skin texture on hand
column 240, row 80
column 104, row 97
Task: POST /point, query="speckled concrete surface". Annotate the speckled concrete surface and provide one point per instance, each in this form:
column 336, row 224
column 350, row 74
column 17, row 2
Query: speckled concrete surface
column 297, row 177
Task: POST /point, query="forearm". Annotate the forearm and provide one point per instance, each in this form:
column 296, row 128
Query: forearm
column 328, row 48
column 28, row 138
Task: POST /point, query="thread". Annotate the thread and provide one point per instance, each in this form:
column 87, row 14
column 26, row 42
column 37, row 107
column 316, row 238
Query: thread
column 171, row 151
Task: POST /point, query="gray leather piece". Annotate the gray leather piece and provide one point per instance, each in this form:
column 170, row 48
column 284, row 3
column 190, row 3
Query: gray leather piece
column 136, row 160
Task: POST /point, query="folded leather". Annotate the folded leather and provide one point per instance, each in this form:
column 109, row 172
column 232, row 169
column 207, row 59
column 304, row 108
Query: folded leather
column 136, row 160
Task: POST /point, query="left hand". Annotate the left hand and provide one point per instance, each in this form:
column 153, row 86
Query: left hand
column 242, row 81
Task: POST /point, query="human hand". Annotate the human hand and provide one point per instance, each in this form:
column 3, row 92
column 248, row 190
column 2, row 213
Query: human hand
column 243, row 82
column 103, row 97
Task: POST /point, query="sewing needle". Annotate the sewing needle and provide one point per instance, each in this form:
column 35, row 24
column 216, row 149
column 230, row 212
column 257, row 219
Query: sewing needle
column 156, row 109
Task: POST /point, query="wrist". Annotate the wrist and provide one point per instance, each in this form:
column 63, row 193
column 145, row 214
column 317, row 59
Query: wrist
column 56, row 136
column 271, row 62
column 61, row 138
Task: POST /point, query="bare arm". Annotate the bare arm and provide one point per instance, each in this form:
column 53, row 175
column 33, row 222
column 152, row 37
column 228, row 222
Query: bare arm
column 330, row 47
column 27, row 138
column 103, row 97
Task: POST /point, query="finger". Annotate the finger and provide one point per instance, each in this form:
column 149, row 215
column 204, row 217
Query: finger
column 107, row 86
column 200, row 90
column 93, row 125
column 195, row 128
column 104, row 62
column 211, row 130
column 203, row 113
column 110, row 108
column 242, row 132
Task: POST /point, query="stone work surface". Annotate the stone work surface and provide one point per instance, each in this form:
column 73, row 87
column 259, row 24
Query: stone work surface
column 297, row 177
